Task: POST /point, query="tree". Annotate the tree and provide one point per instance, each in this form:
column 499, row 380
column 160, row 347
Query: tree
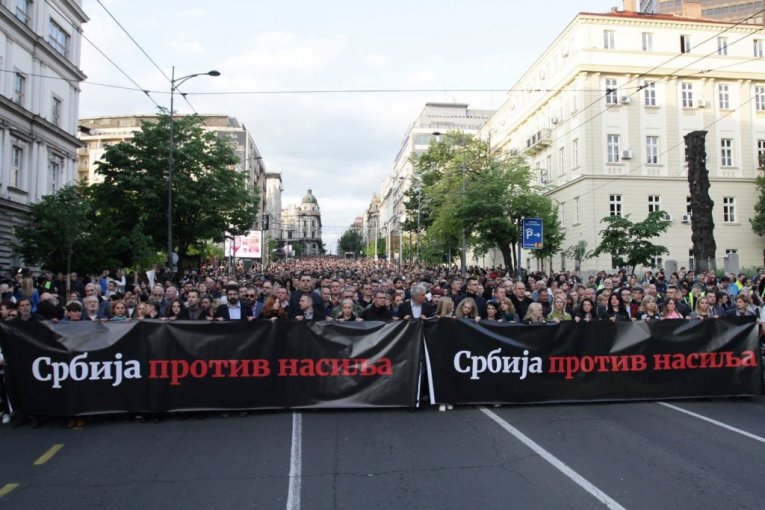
column 758, row 220
column 58, row 236
column 578, row 252
column 350, row 241
column 210, row 196
column 628, row 243
column 702, row 221
column 498, row 193
column 369, row 250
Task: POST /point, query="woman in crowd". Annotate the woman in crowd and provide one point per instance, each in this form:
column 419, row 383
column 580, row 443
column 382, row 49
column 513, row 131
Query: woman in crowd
column 702, row 310
column 507, row 310
column 445, row 307
column 346, row 312
column 615, row 311
column 649, row 309
column 118, row 311
column 272, row 311
column 174, row 309
column 534, row 314
column 670, row 310
column 558, row 312
column 586, row 311
column 492, row 312
column 467, row 309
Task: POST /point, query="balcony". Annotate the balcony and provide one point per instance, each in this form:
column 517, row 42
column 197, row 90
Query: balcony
column 538, row 141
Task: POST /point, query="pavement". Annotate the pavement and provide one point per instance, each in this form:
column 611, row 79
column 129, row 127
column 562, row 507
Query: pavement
column 680, row 454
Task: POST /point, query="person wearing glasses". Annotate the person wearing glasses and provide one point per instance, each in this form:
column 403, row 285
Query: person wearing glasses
column 378, row 310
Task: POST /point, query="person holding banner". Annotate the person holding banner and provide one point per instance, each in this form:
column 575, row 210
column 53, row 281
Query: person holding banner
column 507, row 310
column 649, row 310
column 558, row 312
column 445, row 308
column 534, row 314
column 416, row 307
column 307, row 312
column 378, row 310
column 467, row 309
column 346, row 312
column 615, row 310
column 741, row 309
column 233, row 309
column 586, row 311
column 702, row 309
column 670, row 309
column 193, row 311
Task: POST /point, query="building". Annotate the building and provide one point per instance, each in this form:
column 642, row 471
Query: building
column 602, row 113
column 720, row 10
column 97, row 133
column 435, row 119
column 301, row 226
column 371, row 229
column 40, row 59
column 273, row 207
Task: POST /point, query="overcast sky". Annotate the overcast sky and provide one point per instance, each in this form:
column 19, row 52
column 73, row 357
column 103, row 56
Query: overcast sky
column 339, row 144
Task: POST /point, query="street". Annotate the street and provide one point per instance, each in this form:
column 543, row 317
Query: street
column 631, row 455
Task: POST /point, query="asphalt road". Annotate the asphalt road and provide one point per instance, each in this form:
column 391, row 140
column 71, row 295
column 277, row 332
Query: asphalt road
column 633, row 455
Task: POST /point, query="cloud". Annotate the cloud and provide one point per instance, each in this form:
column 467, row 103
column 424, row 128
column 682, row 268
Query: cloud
column 182, row 43
column 376, row 61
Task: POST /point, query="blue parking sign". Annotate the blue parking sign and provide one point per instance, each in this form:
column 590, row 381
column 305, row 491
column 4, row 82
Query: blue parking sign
column 532, row 234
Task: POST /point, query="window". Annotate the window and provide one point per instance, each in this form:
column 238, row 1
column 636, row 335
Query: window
column 731, row 251
column 19, row 87
column 563, row 214
column 726, row 152
column 615, row 205
column 759, row 98
column 649, row 93
column 611, row 92
column 654, row 203
column 549, row 166
column 688, row 205
column 647, row 41
column 608, row 39
column 652, row 150
column 685, row 44
column 17, row 166
column 656, row 261
column 723, row 94
column 722, row 45
column 687, row 94
column 55, row 114
column 729, row 210
column 58, row 38
column 760, row 153
column 613, row 148
column 757, row 43
column 575, row 153
column 576, row 210
column 561, row 161
column 22, row 10
column 55, row 165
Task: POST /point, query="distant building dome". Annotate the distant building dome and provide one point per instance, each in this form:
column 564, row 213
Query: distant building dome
column 309, row 198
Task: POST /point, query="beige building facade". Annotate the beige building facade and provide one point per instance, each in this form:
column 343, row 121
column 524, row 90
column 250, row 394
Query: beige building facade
column 602, row 113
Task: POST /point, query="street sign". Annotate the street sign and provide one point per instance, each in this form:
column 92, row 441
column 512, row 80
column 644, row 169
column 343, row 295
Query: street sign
column 532, row 234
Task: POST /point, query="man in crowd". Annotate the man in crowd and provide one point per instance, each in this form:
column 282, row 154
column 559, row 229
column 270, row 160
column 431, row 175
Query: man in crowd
column 417, row 307
column 233, row 309
column 378, row 310
column 192, row 310
column 520, row 300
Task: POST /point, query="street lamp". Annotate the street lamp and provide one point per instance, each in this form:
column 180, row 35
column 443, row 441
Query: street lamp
column 174, row 84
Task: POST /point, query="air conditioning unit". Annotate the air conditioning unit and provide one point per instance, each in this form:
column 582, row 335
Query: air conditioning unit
column 700, row 103
column 625, row 100
column 627, row 154
column 667, row 217
column 687, row 218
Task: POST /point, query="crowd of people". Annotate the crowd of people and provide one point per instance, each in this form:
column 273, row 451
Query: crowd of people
column 336, row 289
column 328, row 288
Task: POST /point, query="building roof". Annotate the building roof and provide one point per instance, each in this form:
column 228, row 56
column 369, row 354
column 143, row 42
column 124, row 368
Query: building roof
column 654, row 17
column 309, row 198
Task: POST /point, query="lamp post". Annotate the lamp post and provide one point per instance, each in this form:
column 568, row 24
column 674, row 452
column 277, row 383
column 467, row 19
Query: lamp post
column 174, row 84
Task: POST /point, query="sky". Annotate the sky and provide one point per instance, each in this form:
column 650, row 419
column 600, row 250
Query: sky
column 292, row 72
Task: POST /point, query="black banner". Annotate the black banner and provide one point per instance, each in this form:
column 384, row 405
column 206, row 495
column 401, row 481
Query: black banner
column 603, row 360
column 72, row 368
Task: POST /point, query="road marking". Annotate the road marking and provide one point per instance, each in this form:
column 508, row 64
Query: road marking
column 714, row 422
column 48, row 455
column 557, row 463
column 7, row 488
column 296, row 462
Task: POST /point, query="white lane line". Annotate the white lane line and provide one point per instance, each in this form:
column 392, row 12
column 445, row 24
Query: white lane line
column 557, row 463
column 714, row 422
column 296, row 462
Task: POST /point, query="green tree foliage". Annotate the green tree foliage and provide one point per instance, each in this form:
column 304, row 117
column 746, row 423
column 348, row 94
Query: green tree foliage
column 369, row 249
column 628, row 243
column 578, row 252
column 59, row 235
column 210, row 196
column 350, row 241
column 498, row 193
